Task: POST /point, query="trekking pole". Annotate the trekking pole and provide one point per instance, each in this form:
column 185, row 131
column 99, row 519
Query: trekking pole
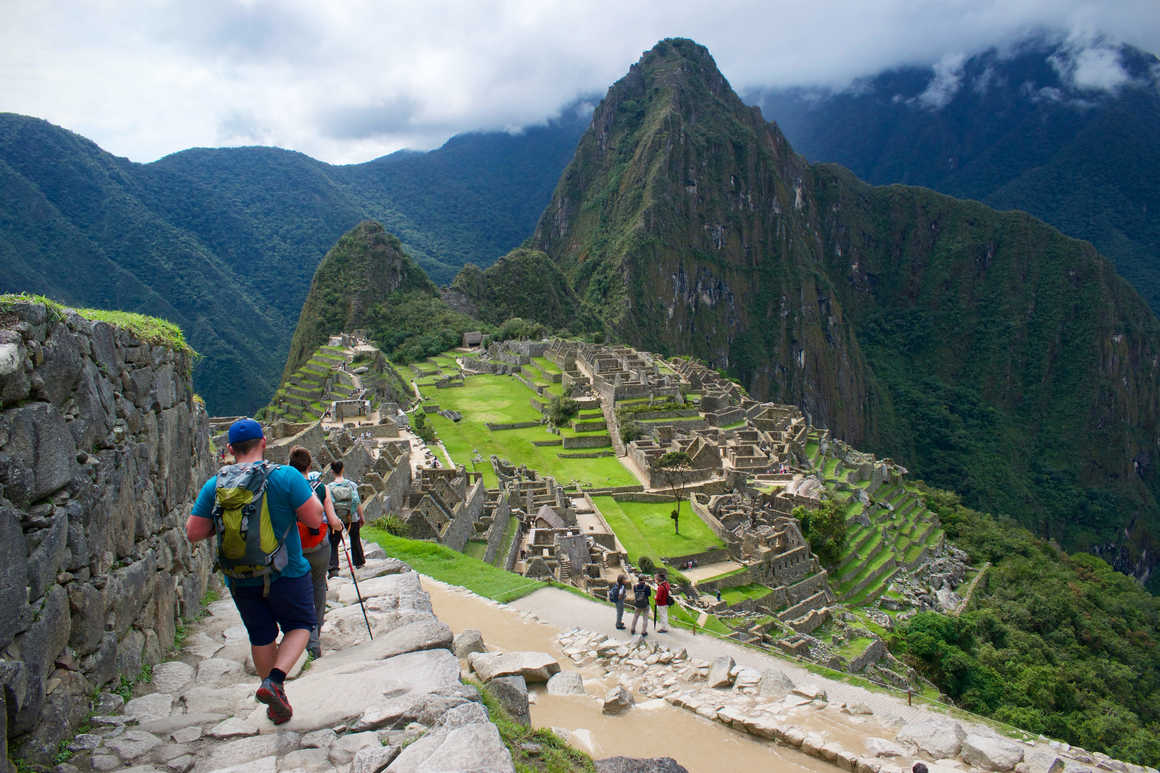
column 356, row 590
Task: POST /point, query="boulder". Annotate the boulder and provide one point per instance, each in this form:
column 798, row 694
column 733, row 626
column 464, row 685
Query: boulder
column 463, row 740
column 246, row 752
column 938, row 738
column 882, row 747
column 153, row 706
column 719, row 672
column 566, row 683
column 132, row 744
column 774, row 684
column 634, row 765
column 512, row 694
column 339, row 688
column 345, row 747
column 532, row 666
column 991, row 752
column 617, row 700
column 373, row 759
column 171, row 676
column 467, row 642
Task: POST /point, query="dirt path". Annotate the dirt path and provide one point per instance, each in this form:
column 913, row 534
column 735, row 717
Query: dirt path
column 567, row 610
column 970, row 590
column 697, row 743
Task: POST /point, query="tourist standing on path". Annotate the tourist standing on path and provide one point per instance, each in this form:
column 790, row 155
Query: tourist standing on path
column 276, row 591
column 664, row 595
column 315, row 545
column 348, row 507
column 617, row 595
column 640, row 594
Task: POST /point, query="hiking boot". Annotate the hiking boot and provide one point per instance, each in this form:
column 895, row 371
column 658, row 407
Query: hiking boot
column 278, row 708
column 330, row 575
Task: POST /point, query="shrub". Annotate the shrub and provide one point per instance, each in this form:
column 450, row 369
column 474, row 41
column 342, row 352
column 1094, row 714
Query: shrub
column 562, row 410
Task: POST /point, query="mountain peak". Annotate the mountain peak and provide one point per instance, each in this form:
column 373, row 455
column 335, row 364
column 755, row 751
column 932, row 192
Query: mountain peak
column 365, row 267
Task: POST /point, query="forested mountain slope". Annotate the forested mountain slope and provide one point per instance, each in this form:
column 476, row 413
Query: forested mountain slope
column 225, row 242
column 985, row 350
column 1031, row 128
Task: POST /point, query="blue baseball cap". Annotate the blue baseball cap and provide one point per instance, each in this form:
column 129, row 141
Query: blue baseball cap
column 243, row 430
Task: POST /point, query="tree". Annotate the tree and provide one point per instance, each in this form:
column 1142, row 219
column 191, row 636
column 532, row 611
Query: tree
column 421, row 426
column 825, row 529
column 677, row 464
column 562, row 410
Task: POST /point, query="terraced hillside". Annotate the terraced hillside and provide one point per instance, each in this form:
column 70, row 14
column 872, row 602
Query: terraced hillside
column 305, row 394
column 889, row 528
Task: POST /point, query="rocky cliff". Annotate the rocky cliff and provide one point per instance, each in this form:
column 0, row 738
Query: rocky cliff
column 983, row 350
column 102, row 448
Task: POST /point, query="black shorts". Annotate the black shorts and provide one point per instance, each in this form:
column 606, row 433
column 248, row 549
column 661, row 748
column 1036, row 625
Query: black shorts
column 289, row 605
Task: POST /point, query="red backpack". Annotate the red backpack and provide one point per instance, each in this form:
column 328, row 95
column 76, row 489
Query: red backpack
column 313, row 538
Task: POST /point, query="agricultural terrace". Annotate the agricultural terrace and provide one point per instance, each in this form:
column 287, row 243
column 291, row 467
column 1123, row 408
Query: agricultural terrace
column 504, row 400
column 645, row 529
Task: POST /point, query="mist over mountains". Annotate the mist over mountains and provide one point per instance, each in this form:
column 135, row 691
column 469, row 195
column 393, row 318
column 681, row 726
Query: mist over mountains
column 1062, row 131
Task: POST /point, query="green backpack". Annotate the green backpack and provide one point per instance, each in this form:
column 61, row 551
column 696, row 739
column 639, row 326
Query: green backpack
column 343, row 498
column 247, row 544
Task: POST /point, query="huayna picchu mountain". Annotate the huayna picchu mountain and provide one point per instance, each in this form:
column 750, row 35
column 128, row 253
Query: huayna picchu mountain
column 984, row 350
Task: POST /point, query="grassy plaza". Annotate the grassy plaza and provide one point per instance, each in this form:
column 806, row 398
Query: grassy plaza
column 645, row 528
column 504, row 400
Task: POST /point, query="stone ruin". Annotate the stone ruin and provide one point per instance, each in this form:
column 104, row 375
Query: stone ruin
column 443, row 505
column 769, row 543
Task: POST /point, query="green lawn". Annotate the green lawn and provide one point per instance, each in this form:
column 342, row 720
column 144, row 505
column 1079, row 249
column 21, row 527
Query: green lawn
column 476, row 548
column 646, row 529
column 503, row 400
column 450, row 566
column 484, row 398
column 743, row 592
column 546, row 365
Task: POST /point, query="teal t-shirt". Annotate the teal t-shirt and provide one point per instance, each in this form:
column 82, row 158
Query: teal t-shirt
column 286, row 491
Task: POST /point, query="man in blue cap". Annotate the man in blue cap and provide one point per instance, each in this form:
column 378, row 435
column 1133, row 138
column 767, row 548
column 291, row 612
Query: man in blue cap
column 281, row 594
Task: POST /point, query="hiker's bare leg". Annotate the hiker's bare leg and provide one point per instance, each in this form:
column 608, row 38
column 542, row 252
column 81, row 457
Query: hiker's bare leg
column 291, row 648
column 282, row 656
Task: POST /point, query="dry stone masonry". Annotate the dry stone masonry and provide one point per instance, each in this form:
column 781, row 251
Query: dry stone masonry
column 102, row 446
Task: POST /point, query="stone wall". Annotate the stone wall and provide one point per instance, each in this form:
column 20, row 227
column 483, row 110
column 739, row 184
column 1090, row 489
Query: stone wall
column 102, row 450
column 499, row 523
column 587, row 441
column 462, row 526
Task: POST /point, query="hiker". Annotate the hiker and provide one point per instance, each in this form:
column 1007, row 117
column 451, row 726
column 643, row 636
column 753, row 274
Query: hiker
column 616, row 595
column 640, row 594
column 348, row 507
column 664, row 601
column 315, row 543
column 268, row 577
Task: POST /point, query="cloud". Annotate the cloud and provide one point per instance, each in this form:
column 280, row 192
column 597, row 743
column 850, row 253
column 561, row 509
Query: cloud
column 1093, row 68
column 948, row 74
column 353, row 79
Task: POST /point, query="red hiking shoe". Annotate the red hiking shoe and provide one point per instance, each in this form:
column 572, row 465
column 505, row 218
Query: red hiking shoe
column 278, row 708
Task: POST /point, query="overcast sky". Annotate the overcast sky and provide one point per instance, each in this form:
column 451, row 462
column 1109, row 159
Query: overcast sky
column 347, row 81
